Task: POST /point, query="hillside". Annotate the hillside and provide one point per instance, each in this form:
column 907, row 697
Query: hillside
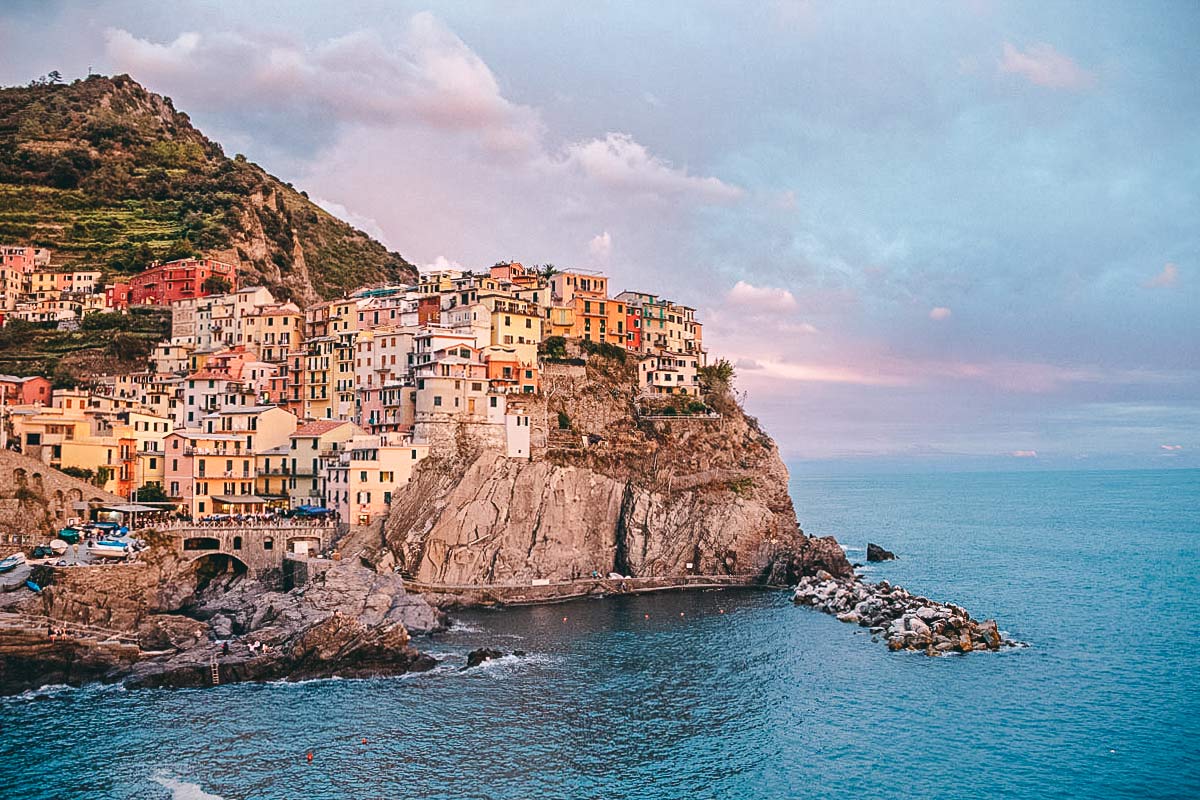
column 111, row 176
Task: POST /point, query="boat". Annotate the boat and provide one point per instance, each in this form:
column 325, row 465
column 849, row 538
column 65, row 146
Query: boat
column 12, row 562
column 58, row 546
column 70, row 535
column 109, row 549
column 33, row 586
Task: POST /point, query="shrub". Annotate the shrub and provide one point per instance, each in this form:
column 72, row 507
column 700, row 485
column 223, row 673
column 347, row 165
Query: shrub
column 564, row 422
column 554, row 347
column 81, row 473
column 741, row 486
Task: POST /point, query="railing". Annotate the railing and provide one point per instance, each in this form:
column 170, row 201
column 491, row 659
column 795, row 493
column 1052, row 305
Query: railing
column 181, row 527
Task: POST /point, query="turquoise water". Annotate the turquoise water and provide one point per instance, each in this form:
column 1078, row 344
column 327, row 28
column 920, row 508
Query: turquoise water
column 1098, row 571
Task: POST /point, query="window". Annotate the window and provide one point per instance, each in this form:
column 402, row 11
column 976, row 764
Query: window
column 268, row 543
column 437, row 399
column 362, row 476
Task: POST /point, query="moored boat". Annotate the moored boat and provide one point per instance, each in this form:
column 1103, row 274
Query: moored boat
column 12, row 562
column 109, row 549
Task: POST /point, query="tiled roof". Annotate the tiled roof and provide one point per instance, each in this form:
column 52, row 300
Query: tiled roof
column 319, row 427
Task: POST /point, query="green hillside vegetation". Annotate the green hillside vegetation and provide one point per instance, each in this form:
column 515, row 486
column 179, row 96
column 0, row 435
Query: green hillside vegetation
column 111, row 176
column 103, row 343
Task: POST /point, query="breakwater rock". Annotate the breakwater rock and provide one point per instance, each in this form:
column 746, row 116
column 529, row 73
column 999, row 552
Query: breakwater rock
column 906, row 621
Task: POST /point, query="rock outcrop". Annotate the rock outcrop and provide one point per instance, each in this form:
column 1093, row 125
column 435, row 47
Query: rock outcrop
column 647, row 496
column 904, row 620
column 877, row 553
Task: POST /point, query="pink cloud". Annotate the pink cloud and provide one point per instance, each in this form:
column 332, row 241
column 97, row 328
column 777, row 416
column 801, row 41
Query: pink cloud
column 1042, row 65
column 762, row 298
column 940, row 313
column 620, row 162
column 1024, row 454
column 1172, row 448
column 1165, row 279
column 429, row 76
column 600, row 246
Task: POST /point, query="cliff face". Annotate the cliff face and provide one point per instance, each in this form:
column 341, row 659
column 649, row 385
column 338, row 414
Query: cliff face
column 646, row 497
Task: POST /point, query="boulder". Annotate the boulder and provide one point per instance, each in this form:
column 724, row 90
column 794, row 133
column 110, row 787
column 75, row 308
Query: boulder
column 877, row 553
column 477, row 657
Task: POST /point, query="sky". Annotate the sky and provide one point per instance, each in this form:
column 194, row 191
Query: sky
column 928, row 235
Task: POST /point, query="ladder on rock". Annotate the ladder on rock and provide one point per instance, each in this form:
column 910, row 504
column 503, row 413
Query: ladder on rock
column 215, row 670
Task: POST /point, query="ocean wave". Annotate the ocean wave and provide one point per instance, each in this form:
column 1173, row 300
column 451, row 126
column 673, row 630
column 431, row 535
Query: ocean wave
column 40, row 693
column 182, row 790
column 458, row 626
column 510, row 663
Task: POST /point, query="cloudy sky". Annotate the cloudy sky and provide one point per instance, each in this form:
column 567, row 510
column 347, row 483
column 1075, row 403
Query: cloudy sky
column 942, row 235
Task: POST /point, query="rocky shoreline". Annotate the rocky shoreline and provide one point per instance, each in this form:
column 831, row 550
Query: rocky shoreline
column 904, row 620
column 349, row 622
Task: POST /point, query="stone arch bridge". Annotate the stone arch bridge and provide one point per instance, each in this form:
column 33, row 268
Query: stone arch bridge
column 258, row 547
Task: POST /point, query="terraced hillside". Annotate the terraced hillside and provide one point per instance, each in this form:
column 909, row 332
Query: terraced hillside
column 111, row 176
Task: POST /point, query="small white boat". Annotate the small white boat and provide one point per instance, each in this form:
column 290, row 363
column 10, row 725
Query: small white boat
column 58, row 546
column 12, row 562
column 104, row 549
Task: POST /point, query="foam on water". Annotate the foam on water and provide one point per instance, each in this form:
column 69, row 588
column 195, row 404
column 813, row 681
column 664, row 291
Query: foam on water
column 182, row 790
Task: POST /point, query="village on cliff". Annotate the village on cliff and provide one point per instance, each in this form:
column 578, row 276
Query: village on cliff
column 257, row 407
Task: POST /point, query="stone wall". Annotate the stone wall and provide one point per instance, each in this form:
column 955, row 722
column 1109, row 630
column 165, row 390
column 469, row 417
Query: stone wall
column 37, row 500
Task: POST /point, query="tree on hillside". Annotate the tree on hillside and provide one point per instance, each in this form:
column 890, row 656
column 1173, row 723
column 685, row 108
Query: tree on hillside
column 151, row 493
column 718, row 375
column 215, row 284
column 548, row 271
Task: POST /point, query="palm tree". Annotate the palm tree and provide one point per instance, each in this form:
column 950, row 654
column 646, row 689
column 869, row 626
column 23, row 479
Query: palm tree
column 549, row 271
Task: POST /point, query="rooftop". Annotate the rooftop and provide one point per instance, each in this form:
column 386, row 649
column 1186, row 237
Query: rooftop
column 319, row 427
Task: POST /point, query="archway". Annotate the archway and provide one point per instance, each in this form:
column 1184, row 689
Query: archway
column 201, row 543
column 220, row 567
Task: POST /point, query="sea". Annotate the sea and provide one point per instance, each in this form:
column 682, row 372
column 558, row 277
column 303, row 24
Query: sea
column 732, row 694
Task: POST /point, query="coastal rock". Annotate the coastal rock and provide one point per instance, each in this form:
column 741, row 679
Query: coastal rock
column 877, row 553
column 477, row 657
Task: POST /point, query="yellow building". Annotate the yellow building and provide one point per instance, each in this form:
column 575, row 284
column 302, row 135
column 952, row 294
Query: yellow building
column 363, row 481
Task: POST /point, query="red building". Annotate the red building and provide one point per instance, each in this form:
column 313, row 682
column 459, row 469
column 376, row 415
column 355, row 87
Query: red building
column 178, row 280
column 633, row 329
column 117, row 295
column 429, row 310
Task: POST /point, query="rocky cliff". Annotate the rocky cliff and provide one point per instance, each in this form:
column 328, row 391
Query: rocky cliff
column 616, row 485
